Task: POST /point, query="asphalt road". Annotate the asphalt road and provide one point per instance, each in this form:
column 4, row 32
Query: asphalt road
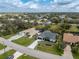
column 31, row 52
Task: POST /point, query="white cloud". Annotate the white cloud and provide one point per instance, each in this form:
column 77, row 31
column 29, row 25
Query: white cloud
column 73, row 5
column 14, row 2
column 56, row 5
column 35, row 6
column 30, row 4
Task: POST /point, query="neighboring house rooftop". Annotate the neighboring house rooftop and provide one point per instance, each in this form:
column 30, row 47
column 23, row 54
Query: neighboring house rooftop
column 48, row 34
column 69, row 37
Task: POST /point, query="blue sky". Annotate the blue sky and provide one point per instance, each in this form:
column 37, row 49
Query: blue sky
column 39, row 5
column 25, row 1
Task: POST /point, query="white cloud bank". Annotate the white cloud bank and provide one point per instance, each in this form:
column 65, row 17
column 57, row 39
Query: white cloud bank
column 35, row 6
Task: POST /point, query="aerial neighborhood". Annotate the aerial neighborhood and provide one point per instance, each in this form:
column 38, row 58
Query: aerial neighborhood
column 39, row 36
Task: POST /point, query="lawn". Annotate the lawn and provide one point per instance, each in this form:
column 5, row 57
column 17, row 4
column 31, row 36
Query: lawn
column 75, row 55
column 7, row 36
column 24, row 41
column 49, row 48
column 26, row 57
column 73, row 28
column 2, row 46
column 7, row 54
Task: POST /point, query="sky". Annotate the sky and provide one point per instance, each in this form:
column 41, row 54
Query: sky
column 39, row 5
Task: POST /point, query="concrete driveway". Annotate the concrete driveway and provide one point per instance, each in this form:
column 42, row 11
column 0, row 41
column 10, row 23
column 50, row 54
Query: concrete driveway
column 67, row 53
column 31, row 32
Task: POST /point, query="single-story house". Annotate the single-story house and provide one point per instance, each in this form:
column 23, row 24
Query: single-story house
column 47, row 23
column 70, row 38
column 47, row 35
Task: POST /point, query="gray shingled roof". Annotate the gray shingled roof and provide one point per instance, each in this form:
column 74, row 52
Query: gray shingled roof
column 49, row 35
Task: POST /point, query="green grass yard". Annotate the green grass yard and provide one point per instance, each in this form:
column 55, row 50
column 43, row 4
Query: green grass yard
column 7, row 36
column 24, row 41
column 75, row 55
column 2, row 46
column 73, row 28
column 49, row 48
column 7, row 54
column 26, row 57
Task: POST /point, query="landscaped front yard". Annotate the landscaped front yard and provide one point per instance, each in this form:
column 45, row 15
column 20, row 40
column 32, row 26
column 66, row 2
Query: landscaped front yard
column 49, row 48
column 2, row 46
column 7, row 54
column 26, row 57
column 24, row 41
